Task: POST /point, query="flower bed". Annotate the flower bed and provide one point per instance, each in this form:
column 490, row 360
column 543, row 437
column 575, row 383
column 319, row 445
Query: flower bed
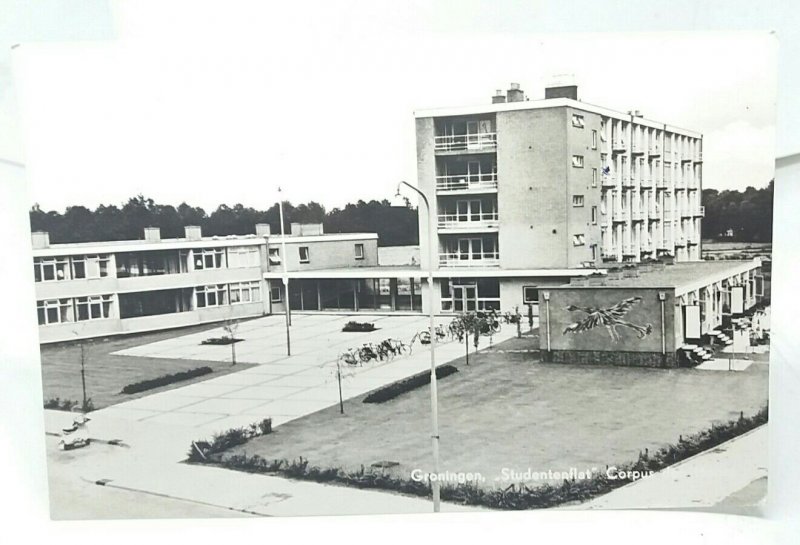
column 221, row 341
column 358, row 327
column 204, row 450
column 413, row 382
column 164, row 380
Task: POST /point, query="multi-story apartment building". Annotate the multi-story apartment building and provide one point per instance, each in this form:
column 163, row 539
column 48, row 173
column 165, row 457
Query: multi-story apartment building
column 529, row 193
column 107, row 288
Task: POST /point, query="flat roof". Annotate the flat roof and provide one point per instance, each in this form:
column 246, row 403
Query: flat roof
column 683, row 277
column 552, row 103
column 139, row 245
column 391, row 271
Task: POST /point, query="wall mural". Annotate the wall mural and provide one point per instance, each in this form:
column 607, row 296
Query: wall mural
column 610, row 318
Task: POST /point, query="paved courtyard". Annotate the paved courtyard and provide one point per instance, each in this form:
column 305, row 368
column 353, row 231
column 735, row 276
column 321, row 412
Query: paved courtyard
column 279, row 386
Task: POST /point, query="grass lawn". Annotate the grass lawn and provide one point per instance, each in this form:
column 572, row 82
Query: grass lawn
column 509, row 410
column 106, row 374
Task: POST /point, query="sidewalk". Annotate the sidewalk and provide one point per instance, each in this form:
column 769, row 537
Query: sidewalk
column 701, row 481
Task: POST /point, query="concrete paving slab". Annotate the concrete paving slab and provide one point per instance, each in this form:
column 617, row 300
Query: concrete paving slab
column 187, row 419
column 264, row 392
column 724, row 364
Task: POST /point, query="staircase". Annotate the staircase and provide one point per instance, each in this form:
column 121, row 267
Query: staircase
column 723, row 338
column 697, row 354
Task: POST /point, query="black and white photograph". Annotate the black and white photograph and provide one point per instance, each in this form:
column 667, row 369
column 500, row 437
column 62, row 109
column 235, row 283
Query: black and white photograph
column 375, row 262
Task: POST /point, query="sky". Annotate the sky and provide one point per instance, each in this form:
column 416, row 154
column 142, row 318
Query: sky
column 215, row 103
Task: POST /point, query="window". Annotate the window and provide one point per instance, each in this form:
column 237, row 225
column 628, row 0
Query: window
column 211, row 296
column 94, row 307
column 359, row 251
column 594, row 215
column 530, row 295
column 90, row 266
column 577, row 200
column 304, row 255
column 275, row 294
column 48, row 269
column 244, row 256
column 274, row 256
column 594, row 252
column 594, row 139
column 245, row 292
column 577, row 121
column 594, row 177
column 578, row 240
column 577, row 161
column 209, row 258
column 53, row 311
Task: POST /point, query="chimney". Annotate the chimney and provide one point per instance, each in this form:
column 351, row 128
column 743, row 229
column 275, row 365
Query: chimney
column 306, row 229
column 499, row 97
column 637, row 113
column 262, row 229
column 152, row 234
column 514, row 93
column 40, row 239
column 193, row 232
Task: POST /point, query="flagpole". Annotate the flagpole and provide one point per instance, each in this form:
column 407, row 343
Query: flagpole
column 284, row 258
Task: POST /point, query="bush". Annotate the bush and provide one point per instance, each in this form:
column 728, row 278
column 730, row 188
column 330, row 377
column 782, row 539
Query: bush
column 515, row 496
column 163, row 380
column 221, row 340
column 201, row 451
column 68, row 405
column 413, row 382
column 358, row 327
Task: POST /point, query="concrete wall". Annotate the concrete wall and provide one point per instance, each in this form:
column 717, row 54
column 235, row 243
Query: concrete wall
column 398, row 255
column 532, row 198
column 328, row 254
column 597, row 340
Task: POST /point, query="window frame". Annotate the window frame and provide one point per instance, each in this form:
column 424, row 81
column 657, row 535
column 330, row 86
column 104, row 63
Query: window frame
column 252, row 288
column 525, row 300
column 578, row 201
column 578, row 240
column 272, row 290
column 219, row 291
column 594, row 138
column 578, row 121
column 203, row 255
column 359, row 254
column 577, row 161
column 307, row 258
column 594, row 177
column 594, row 214
column 89, row 302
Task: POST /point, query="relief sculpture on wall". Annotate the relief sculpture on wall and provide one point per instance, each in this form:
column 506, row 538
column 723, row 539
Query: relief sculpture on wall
column 610, row 318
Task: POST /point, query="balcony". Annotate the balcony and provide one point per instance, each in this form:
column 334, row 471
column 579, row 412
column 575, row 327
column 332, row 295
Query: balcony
column 620, row 216
column 698, row 157
column 467, row 183
column 662, row 184
column 486, row 259
column 486, row 141
column 700, row 212
column 638, row 148
column 618, row 145
column 686, row 159
column 628, row 183
column 483, row 221
column 654, row 151
column 607, row 181
column 637, row 215
column 646, row 183
column 680, row 242
column 629, row 250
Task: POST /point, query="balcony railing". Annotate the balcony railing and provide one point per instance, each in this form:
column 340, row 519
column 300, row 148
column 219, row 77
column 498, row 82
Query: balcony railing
column 646, row 182
column 700, row 212
column 637, row 215
column 467, row 182
column 620, row 215
column 628, row 182
column 698, row 157
column 628, row 249
column 638, row 148
column 456, row 259
column 655, row 150
column 483, row 220
column 618, row 144
column 608, row 181
column 466, row 142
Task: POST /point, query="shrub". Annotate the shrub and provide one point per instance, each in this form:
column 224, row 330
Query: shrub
column 358, row 327
column 163, row 380
column 68, row 405
column 202, row 450
column 413, row 382
column 221, row 340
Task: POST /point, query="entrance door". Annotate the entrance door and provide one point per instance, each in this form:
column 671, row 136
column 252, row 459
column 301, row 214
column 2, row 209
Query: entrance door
column 465, row 297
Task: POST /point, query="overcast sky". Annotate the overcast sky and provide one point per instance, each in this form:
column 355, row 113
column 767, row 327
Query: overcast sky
column 209, row 103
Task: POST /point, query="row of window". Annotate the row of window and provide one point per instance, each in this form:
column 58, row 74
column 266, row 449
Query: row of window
column 78, row 309
column 46, row 269
column 217, row 295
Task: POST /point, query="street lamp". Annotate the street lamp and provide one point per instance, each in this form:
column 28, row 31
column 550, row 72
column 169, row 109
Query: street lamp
column 432, row 243
column 287, row 312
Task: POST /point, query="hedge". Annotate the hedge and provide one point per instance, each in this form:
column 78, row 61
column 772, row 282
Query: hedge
column 221, row 341
column 358, row 327
column 413, row 382
column 515, row 496
column 163, row 380
column 68, row 404
column 202, row 450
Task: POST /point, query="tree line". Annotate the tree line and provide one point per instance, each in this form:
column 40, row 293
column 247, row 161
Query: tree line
column 395, row 225
column 742, row 216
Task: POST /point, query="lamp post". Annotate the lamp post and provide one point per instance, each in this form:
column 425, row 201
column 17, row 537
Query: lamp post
column 432, row 243
column 284, row 257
